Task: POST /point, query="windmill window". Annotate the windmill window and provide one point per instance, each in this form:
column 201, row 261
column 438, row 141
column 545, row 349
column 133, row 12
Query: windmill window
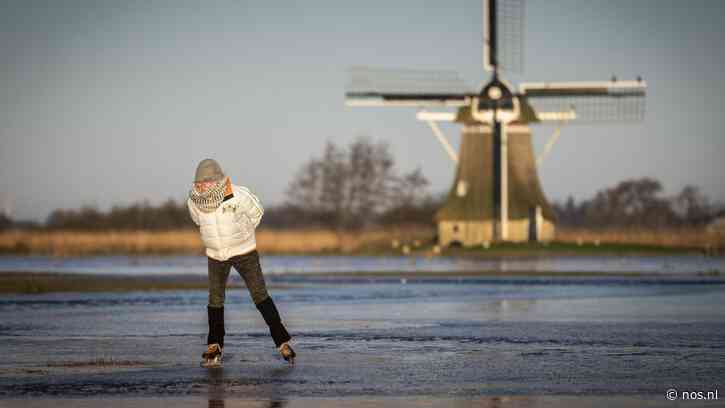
column 455, row 227
column 461, row 188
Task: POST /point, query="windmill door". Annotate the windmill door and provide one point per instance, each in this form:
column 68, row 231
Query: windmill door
column 533, row 224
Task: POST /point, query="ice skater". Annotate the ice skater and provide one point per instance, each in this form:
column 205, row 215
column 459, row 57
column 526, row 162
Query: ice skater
column 227, row 216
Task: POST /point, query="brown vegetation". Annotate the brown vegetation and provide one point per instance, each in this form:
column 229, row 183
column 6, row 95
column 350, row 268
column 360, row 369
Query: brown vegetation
column 684, row 237
column 69, row 243
column 187, row 241
column 302, row 241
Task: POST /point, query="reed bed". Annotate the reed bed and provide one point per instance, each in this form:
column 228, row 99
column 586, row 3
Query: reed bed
column 71, row 243
column 687, row 237
column 187, row 241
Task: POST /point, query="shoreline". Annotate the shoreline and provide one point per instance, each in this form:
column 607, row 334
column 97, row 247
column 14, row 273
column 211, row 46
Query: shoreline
column 515, row 250
column 28, row 282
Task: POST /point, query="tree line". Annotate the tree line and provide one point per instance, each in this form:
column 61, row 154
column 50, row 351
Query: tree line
column 355, row 187
column 358, row 186
column 347, row 187
column 639, row 202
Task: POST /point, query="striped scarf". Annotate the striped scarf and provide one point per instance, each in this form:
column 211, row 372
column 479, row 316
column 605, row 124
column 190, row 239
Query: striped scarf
column 209, row 200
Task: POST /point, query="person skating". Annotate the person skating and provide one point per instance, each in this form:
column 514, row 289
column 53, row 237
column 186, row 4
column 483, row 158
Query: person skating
column 227, row 216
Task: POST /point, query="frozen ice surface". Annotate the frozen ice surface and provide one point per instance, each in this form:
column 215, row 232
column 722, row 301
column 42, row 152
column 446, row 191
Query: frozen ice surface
column 418, row 341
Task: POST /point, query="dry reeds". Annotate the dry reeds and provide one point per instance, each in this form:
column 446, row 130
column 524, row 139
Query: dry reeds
column 686, row 237
column 69, row 243
column 187, row 241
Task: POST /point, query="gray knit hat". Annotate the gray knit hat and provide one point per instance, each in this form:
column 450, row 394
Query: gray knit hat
column 208, row 170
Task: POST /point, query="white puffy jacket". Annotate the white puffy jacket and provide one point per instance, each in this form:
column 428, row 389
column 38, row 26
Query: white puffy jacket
column 229, row 230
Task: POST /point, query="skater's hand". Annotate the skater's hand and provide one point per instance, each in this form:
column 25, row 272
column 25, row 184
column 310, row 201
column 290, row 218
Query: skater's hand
column 251, row 207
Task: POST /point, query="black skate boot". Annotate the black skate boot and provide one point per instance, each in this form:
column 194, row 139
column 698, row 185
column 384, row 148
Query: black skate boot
column 212, row 356
column 276, row 329
column 285, row 350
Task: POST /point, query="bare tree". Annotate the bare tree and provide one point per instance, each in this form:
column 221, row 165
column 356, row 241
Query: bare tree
column 347, row 187
column 370, row 174
column 638, row 202
column 334, row 172
column 692, row 206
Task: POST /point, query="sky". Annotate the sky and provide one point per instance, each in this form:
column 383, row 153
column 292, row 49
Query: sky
column 110, row 103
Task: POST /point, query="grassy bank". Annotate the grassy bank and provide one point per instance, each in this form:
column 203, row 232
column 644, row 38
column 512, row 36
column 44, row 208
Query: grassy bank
column 415, row 240
column 45, row 282
column 583, row 248
column 24, row 282
column 33, row 282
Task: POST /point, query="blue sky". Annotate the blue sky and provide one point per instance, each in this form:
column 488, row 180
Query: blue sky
column 107, row 102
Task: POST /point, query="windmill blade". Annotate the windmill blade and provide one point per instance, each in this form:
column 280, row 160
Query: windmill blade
column 585, row 101
column 404, row 87
column 503, row 35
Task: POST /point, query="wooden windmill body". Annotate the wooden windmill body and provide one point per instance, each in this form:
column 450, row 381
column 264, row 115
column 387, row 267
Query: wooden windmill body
column 470, row 215
column 496, row 194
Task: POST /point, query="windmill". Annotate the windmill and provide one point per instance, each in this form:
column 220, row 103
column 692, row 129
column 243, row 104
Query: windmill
column 496, row 194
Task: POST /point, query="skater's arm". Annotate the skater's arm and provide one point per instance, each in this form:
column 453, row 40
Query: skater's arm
column 252, row 206
column 192, row 211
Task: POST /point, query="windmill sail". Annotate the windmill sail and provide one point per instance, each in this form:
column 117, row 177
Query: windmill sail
column 503, row 36
column 404, row 87
column 586, row 101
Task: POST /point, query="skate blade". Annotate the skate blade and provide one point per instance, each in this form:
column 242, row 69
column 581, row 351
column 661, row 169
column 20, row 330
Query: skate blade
column 214, row 363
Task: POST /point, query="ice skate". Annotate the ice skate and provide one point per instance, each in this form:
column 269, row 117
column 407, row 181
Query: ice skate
column 212, row 356
column 285, row 350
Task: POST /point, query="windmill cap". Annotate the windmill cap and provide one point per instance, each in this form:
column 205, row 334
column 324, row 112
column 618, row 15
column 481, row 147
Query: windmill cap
column 208, row 170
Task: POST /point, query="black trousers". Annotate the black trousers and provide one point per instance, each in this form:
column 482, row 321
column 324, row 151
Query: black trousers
column 248, row 267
